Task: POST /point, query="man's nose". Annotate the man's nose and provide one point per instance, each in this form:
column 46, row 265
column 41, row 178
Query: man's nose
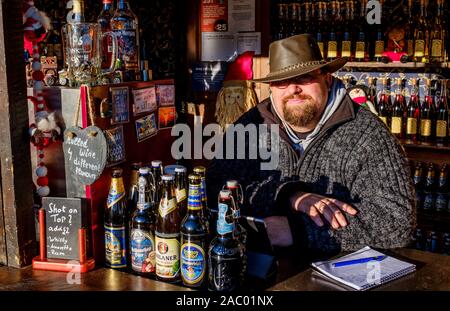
column 294, row 88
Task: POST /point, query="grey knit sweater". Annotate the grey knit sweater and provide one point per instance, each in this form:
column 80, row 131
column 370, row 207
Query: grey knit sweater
column 354, row 159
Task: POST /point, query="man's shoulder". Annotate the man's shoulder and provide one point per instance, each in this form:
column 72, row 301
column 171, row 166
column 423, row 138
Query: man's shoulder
column 260, row 114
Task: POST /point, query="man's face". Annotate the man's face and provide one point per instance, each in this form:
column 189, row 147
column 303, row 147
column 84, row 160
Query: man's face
column 301, row 100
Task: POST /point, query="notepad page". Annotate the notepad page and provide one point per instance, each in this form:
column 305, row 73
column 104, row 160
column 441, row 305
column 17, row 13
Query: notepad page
column 363, row 276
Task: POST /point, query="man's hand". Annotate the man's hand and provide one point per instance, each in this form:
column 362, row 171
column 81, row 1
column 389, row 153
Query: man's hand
column 318, row 207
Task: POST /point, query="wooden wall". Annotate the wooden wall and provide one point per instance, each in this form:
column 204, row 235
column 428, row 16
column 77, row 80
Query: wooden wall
column 17, row 232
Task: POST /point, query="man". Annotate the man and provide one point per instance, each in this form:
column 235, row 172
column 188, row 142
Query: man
column 342, row 180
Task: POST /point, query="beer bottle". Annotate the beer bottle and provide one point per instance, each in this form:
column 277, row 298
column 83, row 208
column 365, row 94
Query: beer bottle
column 168, row 234
column 133, row 192
column 443, row 189
column 201, row 171
column 116, row 222
column 419, row 239
column 427, row 115
column 180, row 190
column 240, row 232
column 428, row 200
column 397, row 111
column 157, row 172
column 412, row 112
column 384, row 103
column 224, row 254
column 142, row 239
column 418, row 184
column 193, row 238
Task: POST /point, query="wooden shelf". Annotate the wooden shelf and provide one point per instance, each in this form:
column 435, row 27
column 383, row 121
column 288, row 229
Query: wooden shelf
column 426, row 146
column 409, row 65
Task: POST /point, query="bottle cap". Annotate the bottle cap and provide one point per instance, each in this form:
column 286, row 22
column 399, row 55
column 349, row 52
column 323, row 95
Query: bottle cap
column 156, row 163
column 144, row 170
column 167, row 178
column 194, row 179
column 199, row 170
column 180, row 169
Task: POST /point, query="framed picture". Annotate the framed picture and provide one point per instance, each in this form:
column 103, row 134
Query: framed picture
column 146, row 127
column 166, row 95
column 166, row 117
column 115, row 142
column 144, row 100
column 120, row 105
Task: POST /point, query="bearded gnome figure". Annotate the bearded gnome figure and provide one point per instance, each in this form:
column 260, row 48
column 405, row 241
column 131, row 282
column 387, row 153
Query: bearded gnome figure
column 237, row 95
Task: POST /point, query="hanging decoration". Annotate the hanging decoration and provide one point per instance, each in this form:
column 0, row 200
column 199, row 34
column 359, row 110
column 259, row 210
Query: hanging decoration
column 45, row 130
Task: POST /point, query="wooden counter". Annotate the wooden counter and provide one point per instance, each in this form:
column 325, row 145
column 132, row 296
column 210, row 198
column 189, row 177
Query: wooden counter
column 433, row 273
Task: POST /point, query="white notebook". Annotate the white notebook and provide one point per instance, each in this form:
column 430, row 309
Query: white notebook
column 363, row 276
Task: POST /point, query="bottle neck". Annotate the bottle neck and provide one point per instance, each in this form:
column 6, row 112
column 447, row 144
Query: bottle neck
column 123, row 5
column 194, row 204
column 225, row 220
column 117, row 184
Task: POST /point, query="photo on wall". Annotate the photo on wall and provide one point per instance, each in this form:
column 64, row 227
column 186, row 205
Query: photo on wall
column 144, row 100
column 166, row 95
column 120, row 105
column 166, row 117
column 146, row 127
column 115, row 142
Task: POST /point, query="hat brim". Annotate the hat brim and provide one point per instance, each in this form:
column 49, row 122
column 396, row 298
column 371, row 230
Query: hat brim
column 331, row 67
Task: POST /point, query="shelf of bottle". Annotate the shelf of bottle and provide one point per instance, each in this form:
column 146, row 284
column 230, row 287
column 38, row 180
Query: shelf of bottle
column 425, row 145
column 409, row 65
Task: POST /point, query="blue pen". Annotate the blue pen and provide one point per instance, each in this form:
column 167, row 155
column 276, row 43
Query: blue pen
column 357, row 261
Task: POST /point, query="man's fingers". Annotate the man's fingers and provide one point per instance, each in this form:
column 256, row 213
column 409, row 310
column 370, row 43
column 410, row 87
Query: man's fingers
column 337, row 214
column 324, row 209
column 344, row 206
column 315, row 216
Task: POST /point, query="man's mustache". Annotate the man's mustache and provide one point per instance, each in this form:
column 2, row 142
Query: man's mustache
column 296, row 96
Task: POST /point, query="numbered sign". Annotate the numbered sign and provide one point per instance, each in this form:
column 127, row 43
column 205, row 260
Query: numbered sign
column 63, row 218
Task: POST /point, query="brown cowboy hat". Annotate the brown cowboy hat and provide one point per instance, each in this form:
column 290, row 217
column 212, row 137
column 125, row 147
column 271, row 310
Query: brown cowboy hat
column 295, row 56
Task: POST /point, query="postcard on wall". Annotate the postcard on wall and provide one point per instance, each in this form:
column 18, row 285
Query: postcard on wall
column 115, row 141
column 144, row 100
column 166, row 95
column 166, row 117
column 146, row 127
column 120, row 105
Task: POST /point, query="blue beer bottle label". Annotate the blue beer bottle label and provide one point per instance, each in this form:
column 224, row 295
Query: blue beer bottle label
column 194, row 198
column 115, row 247
column 223, row 227
column 193, row 263
column 142, row 251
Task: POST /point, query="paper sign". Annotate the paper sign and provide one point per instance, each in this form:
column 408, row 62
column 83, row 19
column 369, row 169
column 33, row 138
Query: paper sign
column 144, row 100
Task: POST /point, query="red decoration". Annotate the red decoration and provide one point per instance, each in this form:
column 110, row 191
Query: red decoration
column 42, row 181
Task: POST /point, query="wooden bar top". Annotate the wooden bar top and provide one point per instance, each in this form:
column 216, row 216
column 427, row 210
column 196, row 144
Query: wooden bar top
column 433, row 273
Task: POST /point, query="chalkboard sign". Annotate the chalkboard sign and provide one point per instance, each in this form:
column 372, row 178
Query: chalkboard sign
column 63, row 218
column 85, row 153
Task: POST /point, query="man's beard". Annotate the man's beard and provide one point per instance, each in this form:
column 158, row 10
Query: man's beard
column 299, row 115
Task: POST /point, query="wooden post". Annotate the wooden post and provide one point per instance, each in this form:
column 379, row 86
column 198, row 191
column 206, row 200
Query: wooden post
column 17, row 231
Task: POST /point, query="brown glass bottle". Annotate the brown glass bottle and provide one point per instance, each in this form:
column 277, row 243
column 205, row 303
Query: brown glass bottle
column 157, row 171
column 193, row 258
column 421, row 35
column 201, row 171
column 167, row 234
column 115, row 220
column 133, row 189
column 412, row 112
column 442, row 117
column 142, row 239
column 443, row 188
column 398, row 111
column 181, row 190
column 104, row 20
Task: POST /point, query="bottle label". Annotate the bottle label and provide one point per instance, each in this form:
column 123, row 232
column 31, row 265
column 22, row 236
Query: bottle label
column 384, row 119
column 321, row 48
column 195, row 198
column 167, row 206
column 193, row 263
column 360, row 50
column 411, row 126
column 116, row 192
column 419, row 48
column 379, row 48
column 332, row 49
column 167, row 257
column 115, row 247
column 346, row 48
column 441, row 128
column 180, row 194
column 142, row 251
column 436, row 48
column 441, row 201
column 223, row 227
column 425, row 127
column 127, row 46
column 396, row 125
